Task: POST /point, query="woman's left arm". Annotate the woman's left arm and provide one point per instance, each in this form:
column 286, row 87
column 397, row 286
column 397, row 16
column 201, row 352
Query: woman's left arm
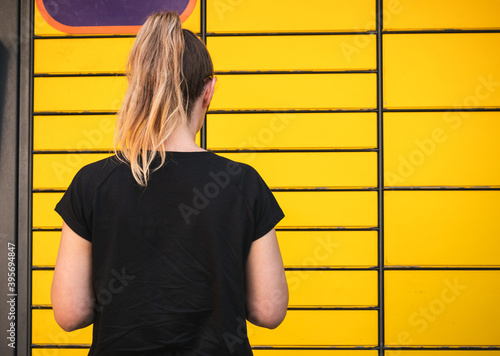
column 72, row 293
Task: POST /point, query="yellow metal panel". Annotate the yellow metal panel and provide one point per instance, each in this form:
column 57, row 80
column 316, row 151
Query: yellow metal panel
column 293, row 52
column 339, row 209
column 295, row 91
column 315, row 352
column 312, row 169
column 59, row 352
column 79, row 93
column 41, row 283
column 442, row 149
column 264, row 91
column 46, row 331
column 55, row 171
column 289, row 15
column 307, row 288
column 328, row 209
column 43, row 210
column 442, row 307
column 299, row 248
column 441, row 70
column 319, row 327
column 73, row 132
column 42, row 28
column 449, row 14
column 292, row 130
column 328, row 248
column 332, row 288
column 81, row 55
column 45, row 246
column 434, row 228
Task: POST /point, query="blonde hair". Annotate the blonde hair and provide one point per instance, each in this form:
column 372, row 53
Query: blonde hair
column 166, row 69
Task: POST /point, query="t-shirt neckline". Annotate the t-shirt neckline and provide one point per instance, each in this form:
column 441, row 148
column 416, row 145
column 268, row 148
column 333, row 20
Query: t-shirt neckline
column 182, row 154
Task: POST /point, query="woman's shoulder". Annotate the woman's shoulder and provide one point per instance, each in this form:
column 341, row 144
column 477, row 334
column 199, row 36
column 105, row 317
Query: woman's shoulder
column 92, row 174
column 233, row 166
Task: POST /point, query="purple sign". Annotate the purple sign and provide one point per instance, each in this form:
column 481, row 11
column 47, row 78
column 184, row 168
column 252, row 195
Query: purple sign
column 107, row 16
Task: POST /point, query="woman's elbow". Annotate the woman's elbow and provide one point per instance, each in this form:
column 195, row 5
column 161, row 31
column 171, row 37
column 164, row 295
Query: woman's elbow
column 70, row 321
column 71, row 315
column 269, row 314
column 267, row 318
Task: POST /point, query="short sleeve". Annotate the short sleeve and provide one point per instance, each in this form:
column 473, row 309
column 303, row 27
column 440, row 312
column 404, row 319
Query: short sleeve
column 75, row 207
column 266, row 210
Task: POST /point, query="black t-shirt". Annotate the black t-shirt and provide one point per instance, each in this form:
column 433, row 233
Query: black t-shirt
column 168, row 260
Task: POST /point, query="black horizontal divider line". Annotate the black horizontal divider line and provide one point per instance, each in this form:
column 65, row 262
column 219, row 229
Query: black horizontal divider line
column 240, row 150
column 60, row 346
column 257, row 72
column 447, row 268
column 440, row 348
column 232, row 72
column 70, row 37
column 323, row 347
column 339, row 228
column 321, row 189
column 85, row 346
column 439, row 188
column 263, row 34
column 248, row 111
column 430, row 348
column 437, row 31
column 74, row 113
column 332, row 189
column 369, row 32
column 76, row 75
column 302, row 308
column 271, row 111
column 372, row 268
column 454, row 109
column 326, row 347
column 331, row 268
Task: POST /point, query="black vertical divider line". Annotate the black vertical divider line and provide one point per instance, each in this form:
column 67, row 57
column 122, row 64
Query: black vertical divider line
column 30, row 165
column 24, row 187
column 380, row 178
column 203, row 30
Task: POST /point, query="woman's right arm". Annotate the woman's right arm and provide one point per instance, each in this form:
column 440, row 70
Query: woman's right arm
column 266, row 286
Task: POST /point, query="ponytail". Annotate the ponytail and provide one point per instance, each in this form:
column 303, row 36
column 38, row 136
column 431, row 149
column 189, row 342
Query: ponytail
column 164, row 81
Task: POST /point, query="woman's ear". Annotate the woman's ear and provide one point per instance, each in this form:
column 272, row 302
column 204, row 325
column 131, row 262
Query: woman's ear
column 209, row 92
